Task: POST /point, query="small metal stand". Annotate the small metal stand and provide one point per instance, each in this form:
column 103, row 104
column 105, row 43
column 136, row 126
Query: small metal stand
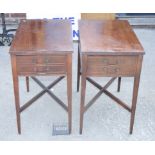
column 60, row 129
column 5, row 37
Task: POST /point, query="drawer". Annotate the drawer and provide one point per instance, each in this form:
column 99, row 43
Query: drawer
column 28, row 69
column 112, row 65
column 41, row 64
column 48, row 59
column 52, row 69
column 41, row 59
column 26, row 59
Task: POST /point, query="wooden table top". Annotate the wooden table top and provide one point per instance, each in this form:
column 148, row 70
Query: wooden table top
column 43, row 36
column 108, row 37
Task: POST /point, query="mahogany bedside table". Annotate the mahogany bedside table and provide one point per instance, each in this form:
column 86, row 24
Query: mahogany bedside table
column 42, row 48
column 108, row 49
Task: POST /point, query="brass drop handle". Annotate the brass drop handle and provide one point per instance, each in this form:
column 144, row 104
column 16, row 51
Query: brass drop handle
column 104, row 69
column 35, row 69
column 117, row 70
column 47, row 68
column 114, row 70
column 110, row 70
column 41, row 73
column 108, row 62
column 34, row 60
column 115, row 62
column 105, row 61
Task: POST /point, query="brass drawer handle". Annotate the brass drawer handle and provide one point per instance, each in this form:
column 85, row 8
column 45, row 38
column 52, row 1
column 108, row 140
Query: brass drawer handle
column 110, row 70
column 46, row 60
column 107, row 62
column 115, row 62
column 34, row 60
column 104, row 69
column 116, row 70
column 35, row 69
column 47, row 69
column 42, row 70
column 42, row 73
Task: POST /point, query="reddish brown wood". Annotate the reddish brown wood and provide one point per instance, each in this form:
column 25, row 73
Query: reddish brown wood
column 42, row 47
column 111, row 49
column 83, row 90
column 78, row 69
column 104, row 65
column 93, row 16
column 42, row 37
column 16, row 91
column 135, row 92
column 69, row 90
column 112, row 37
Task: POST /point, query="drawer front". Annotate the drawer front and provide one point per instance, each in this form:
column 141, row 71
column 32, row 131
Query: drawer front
column 42, row 59
column 52, row 69
column 59, row 59
column 112, row 65
column 41, row 70
column 41, row 64
column 26, row 59
column 26, row 69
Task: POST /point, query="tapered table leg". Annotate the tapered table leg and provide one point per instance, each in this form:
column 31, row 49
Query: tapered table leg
column 134, row 101
column 16, row 92
column 69, row 91
column 83, row 91
column 78, row 69
column 135, row 92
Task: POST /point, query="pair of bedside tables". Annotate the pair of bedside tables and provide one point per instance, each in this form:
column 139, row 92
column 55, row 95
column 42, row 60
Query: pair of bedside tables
column 106, row 49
